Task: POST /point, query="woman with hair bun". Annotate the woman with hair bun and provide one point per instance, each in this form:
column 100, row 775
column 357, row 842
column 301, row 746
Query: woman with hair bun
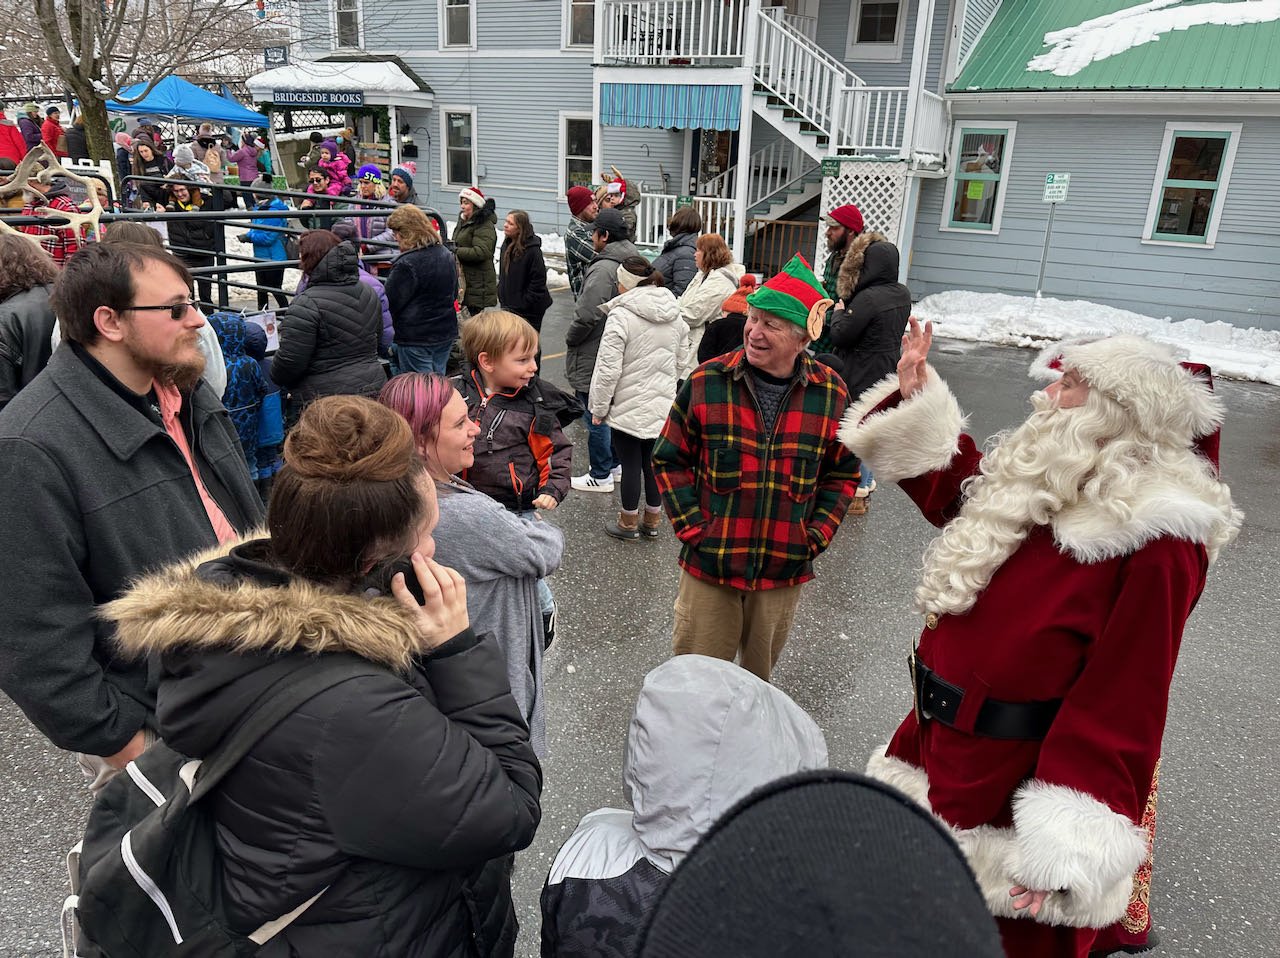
column 500, row 555
column 644, row 346
column 396, row 794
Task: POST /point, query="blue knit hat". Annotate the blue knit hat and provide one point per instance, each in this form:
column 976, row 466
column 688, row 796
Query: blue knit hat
column 405, row 174
column 370, row 173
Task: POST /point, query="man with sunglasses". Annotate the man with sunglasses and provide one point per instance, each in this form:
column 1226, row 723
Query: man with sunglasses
column 116, row 460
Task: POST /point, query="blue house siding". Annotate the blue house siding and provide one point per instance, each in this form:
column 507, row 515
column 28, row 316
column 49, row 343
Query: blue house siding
column 833, row 36
column 1097, row 253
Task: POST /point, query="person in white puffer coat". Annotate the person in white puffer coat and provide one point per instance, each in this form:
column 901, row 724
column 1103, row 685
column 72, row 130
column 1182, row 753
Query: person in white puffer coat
column 644, row 346
column 716, row 280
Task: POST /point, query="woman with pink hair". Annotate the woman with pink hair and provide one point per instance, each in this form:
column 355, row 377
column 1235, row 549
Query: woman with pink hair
column 500, row 555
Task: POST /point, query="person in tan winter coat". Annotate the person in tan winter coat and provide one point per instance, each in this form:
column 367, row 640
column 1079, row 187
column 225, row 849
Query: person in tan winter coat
column 715, row 281
column 644, row 346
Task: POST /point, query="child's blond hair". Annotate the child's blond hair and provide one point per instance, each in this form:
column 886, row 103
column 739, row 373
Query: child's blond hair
column 496, row 332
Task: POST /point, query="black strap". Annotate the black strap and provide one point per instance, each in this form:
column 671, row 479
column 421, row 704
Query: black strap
column 303, row 680
column 940, row 700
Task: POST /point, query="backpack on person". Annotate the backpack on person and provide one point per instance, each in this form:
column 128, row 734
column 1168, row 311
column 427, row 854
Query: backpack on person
column 150, row 879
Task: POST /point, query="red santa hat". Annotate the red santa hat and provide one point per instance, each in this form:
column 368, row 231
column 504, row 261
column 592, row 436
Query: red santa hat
column 472, row 195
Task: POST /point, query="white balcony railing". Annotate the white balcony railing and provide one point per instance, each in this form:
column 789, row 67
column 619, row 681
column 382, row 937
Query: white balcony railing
column 933, row 123
column 806, row 78
column 657, row 208
column 652, row 32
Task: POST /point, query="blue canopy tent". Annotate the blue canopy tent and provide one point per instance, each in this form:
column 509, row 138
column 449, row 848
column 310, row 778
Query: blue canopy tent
column 175, row 97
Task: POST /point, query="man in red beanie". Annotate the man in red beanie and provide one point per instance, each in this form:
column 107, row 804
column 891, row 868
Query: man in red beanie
column 844, row 223
column 579, row 250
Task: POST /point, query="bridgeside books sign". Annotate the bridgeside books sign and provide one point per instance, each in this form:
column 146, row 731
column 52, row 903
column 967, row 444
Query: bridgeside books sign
column 345, row 99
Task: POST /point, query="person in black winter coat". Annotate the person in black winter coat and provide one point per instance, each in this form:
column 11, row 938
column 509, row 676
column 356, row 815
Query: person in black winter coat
column 421, row 292
column 867, row 324
column 398, row 795
column 329, row 335
column 26, row 316
column 676, row 261
column 192, row 240
column 522, row 277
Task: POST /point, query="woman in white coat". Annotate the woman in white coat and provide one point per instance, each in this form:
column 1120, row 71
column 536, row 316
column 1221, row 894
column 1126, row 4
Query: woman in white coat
column 716, row 280
column 644, row 346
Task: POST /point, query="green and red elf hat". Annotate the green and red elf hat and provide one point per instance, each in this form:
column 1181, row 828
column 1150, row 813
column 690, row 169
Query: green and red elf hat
column 796, row 295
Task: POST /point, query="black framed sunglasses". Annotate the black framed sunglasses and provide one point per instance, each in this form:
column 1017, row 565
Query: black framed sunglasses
column 314, row 179
column 176, row 311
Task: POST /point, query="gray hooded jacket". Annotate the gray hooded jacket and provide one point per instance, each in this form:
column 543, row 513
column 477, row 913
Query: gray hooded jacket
column 705, row 733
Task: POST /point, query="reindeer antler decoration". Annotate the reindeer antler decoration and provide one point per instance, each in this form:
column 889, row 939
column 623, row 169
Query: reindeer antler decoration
column 30, row 169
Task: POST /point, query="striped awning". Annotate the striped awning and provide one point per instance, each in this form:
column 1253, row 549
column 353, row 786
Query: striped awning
column 671, row 105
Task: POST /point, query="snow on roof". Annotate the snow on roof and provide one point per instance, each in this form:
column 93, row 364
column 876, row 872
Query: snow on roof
column 1232, row 352
column 381, row 77
column 1074, row 48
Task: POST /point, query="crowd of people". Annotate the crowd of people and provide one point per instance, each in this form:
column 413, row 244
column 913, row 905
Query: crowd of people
column 379, row 488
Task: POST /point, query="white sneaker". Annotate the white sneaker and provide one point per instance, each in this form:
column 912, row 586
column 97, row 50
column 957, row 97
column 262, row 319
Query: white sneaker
column 589, row 483
column 616, row 472
column 864, row 491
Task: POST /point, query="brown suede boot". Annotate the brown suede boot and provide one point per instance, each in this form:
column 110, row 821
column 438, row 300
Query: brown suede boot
column 627, row 526
column 650, row 524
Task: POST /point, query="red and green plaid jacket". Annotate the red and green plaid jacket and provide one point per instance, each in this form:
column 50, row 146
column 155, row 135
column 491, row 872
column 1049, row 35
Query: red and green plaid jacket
column 753, row 510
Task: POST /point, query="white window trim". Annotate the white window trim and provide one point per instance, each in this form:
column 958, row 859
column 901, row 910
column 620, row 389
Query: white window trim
column 1224, row 179
column 442, row 28
column 566, row 24
column 333, row 23
column 1010, row 127
column 444, row 145
column 885, row 52
column 563, row 151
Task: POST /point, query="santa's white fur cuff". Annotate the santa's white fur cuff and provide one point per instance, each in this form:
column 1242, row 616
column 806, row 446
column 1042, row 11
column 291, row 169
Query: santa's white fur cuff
column 915, row 437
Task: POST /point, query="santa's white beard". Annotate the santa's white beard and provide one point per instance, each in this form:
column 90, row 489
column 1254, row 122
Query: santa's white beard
column 1027, row 476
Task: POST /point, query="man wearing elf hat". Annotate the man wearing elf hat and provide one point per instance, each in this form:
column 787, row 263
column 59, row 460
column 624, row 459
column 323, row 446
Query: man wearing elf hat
column 753, row 477
column 1054, row 602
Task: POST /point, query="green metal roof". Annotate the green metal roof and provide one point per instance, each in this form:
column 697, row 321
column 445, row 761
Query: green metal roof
column 1187, row 54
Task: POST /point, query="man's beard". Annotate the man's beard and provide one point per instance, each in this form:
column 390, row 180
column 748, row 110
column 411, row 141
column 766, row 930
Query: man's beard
column 837, row 245
column 183, row 375
column 1027, row 477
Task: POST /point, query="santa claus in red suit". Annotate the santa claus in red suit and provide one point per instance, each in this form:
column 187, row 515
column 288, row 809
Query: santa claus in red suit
column 1054, row 603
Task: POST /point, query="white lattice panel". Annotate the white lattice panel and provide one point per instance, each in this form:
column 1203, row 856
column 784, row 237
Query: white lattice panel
column 877, row 187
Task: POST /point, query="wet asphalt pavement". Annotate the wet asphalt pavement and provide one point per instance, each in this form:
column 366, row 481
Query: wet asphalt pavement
column 1218, row 828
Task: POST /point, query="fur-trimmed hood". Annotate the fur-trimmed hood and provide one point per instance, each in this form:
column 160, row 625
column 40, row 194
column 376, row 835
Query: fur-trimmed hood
column 854, row 259
column 231, row 599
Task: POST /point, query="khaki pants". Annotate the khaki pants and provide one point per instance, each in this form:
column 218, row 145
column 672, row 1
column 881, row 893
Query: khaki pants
column 726, row 623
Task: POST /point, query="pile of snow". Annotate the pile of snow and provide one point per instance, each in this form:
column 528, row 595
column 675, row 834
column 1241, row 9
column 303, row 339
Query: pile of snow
column 552, row 243
column 557, row 279
column 236, row 247
column 1232, row 351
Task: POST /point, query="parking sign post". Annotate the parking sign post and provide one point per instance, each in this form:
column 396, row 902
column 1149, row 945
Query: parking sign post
column 1055, row 192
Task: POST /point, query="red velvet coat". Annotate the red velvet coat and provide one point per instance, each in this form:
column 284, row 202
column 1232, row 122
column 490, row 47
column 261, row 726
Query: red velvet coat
column 1090, row 612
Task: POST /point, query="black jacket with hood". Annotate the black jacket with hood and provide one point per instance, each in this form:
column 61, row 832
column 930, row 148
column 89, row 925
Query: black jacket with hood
column 401, row 790
column 26, row 325
column 867, row 334
column 329, row 337
column 421, row 289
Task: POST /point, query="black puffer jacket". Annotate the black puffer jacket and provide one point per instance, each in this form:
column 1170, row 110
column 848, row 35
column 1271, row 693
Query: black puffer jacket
column 401, row 790
column 329, row 336
column 867, row 334
column 26, row 325
column 191, row 240
column 676, row 262
column 421, row 291
column 522, row 283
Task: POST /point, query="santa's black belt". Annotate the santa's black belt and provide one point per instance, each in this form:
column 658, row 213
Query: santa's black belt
column 938, row 699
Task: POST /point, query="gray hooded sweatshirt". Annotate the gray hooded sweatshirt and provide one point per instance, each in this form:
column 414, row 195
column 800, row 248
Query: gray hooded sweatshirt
column 705, row 734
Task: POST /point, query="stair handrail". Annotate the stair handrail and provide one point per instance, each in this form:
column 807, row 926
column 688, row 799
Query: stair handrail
column 764, row 179
column 806, row 78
